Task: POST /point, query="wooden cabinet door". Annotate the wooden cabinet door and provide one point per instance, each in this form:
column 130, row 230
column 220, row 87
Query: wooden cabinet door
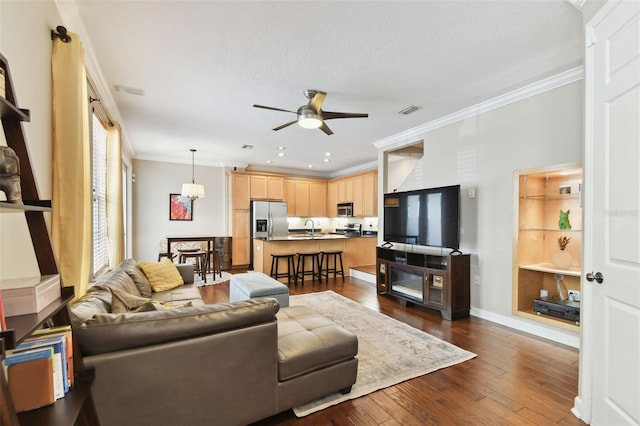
column 302, row 198
column 275, row 188
column 258, row 187
column 345, row 190
column 332, row 198
column 317, row 199
column 370, row 194
column 240, row 198
column 357, row 196
column 290, row 196
column 241, row 237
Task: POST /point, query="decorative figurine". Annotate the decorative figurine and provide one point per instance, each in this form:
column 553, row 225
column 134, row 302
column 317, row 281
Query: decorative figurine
column 10, row 175
column 563, row 221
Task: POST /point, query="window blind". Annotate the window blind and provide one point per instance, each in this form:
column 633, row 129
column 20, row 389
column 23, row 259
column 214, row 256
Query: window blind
column 99, row 172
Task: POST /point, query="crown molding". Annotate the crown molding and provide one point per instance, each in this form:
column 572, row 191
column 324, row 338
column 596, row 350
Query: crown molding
column 550, row 83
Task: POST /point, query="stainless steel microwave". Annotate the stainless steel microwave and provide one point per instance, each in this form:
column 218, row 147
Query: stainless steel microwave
column 345, row 210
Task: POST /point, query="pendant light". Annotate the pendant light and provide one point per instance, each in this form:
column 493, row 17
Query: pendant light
column 192, row 190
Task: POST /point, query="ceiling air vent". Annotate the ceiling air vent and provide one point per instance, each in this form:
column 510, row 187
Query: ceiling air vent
column 408, row 110
column 247, row 146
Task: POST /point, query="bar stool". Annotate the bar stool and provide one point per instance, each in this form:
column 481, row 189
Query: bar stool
column 167, row 255
column 213, row 263
column 326, row 256
column 199, row 260
column 291, row 267
column 315, row 266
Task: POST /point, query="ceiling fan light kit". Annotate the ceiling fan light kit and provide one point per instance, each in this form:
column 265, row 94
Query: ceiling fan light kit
column 192, row 190
column 311, row 116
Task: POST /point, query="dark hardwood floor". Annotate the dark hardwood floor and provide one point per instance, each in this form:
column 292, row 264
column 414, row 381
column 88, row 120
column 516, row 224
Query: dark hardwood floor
column 516, row 379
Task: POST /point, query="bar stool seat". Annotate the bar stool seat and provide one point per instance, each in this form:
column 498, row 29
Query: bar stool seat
column 325, row 264
column 291, row 267
column 301, row 270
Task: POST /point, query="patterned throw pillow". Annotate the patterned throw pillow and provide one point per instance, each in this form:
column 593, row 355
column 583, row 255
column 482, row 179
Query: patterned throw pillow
column 162, row 275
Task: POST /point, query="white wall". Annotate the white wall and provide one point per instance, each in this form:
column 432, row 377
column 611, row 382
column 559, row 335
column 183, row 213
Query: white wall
column 25, row 41
column 154, row 181
column 482, row 152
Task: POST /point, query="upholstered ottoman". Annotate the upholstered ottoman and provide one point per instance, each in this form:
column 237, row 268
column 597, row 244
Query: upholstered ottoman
column 252, row 285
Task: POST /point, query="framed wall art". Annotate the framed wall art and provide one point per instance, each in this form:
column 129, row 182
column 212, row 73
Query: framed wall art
column 180, row 208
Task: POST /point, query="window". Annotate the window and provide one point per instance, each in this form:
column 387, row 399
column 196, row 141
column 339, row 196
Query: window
column 99, row 174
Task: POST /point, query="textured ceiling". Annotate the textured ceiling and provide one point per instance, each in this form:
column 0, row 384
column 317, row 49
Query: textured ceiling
column 203, row 64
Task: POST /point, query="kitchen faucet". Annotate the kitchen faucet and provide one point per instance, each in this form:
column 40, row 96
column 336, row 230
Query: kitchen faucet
column 313, row 227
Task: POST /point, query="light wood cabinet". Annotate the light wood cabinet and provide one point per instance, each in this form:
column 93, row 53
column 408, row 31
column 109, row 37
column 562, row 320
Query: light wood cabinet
column 539, row 263
column 332, row 198
column 357, row 196
column 241, row 238
column 275, row 188
column 345, row 190
column 240, row 194
column 317, row 199
column 302, row 198
column 266, row 187
column 370, row 194
column 290, row 196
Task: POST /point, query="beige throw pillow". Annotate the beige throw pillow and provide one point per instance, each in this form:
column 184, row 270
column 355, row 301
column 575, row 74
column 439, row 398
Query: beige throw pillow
column 162, row 275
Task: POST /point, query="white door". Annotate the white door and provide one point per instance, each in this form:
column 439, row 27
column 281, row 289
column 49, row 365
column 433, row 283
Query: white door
column 612, row 223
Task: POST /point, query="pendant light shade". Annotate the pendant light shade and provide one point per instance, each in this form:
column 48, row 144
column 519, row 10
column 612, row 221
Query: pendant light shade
column 192, row 190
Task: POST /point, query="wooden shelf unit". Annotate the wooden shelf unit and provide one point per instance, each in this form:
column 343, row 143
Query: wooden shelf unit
column 439, row 282
column 537, row 204
column 77, row 406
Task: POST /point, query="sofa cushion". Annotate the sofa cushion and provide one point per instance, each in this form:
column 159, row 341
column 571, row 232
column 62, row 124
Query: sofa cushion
column 113, row 332
column 179, row 294
column 125, row 302
column 133, row 269
column 96, row 301
column 162, row 275
column 307, row 342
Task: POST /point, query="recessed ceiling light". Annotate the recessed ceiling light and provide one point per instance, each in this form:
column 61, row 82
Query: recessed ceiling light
column 281, row 148
column 269, row 161
column 281, row 154
column 326, row 160
column 327, row 154
column 310, row 166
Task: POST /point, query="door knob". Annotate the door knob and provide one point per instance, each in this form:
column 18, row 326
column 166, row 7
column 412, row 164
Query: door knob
column 598, row 277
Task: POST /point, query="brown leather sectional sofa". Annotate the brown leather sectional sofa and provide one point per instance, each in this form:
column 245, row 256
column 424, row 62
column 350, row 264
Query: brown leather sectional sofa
column 223, row 364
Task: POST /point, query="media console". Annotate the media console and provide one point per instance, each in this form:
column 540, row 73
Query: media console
column 435, row 281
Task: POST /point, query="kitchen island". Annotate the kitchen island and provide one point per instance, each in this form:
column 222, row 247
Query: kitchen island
column 357, row 251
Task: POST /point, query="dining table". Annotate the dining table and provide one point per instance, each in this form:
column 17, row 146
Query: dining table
column 209, row 239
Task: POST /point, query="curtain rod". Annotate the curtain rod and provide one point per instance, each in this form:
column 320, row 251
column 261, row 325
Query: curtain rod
column 61, row 34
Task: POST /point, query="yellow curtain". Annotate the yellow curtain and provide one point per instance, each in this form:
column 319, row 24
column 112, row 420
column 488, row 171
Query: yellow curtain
column 115, row 224
column 71, row 218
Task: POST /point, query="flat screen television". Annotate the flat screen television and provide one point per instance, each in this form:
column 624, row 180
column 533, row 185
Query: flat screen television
column 427, row 217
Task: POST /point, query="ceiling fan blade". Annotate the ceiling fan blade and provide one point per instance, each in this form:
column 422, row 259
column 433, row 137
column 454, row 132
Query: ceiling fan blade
column 328, row 115
column 318, row 99
column 326, row 129
column 273, row 109
column 285, row 125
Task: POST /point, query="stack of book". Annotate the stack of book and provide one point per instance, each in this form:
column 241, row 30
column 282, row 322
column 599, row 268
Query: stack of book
column 39, row 370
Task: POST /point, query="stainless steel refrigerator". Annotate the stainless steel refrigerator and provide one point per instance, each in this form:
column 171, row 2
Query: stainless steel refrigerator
column 268, row 220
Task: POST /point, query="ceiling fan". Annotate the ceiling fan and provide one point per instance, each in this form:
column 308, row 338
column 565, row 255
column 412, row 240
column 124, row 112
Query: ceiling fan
column 311, row 115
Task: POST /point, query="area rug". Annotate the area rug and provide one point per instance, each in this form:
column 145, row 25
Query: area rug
column 198, row 281
column 389, row 351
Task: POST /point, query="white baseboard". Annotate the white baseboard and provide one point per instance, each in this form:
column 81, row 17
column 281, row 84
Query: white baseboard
column 560, row 336
column 370, row 278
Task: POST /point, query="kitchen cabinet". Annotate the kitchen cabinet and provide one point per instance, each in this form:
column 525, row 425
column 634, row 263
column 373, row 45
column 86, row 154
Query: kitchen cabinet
column 302, row 198
column 370, row 194
column 264, row 187
column 240, row 193
column 241, row 238
column 317, row 199
column 332, row 198
column 345, row 190
column 290, row 196
column 357, row 196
